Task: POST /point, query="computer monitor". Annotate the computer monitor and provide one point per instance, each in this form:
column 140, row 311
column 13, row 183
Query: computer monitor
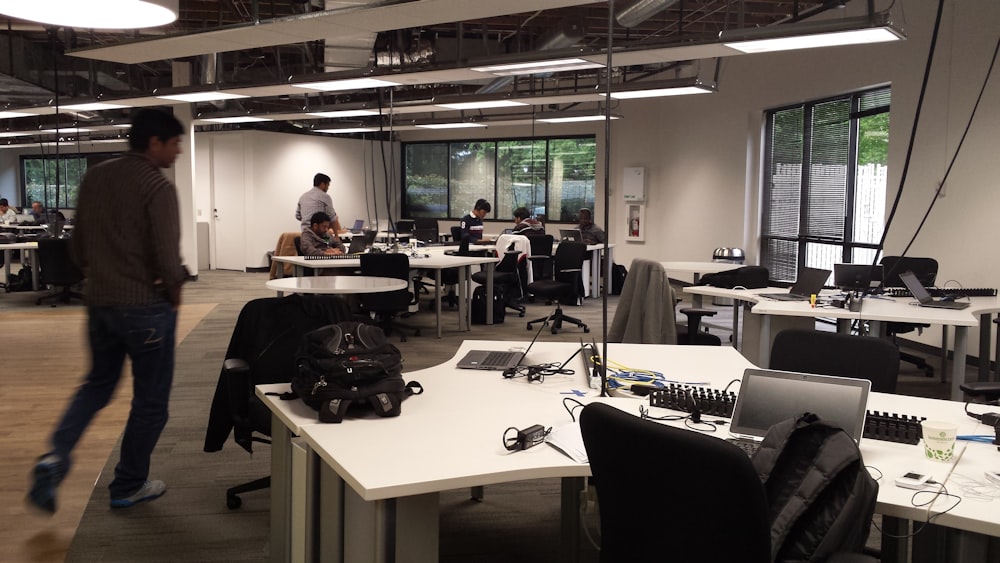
column 856, row 277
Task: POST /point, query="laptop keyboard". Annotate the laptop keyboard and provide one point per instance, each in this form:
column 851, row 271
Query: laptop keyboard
column 497, row 359
column 748, row 446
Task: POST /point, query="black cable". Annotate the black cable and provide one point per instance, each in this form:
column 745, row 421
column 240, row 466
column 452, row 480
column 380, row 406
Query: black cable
column 572, row 409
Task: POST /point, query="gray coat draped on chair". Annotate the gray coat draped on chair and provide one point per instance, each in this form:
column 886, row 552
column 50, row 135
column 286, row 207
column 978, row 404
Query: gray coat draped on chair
column 645, row 313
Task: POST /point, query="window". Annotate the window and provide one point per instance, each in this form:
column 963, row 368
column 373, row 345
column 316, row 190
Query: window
column 824, row 183
column 553, row 178
column 39, row 178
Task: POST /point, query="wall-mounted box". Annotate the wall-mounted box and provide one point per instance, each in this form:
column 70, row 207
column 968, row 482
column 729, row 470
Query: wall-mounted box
column 634, row 184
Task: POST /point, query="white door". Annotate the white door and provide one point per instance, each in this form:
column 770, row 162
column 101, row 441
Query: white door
column 229, row 202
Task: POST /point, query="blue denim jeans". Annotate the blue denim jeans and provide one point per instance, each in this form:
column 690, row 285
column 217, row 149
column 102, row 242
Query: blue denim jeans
column 146, row 334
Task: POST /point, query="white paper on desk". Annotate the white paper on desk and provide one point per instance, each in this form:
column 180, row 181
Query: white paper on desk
column 569, row 440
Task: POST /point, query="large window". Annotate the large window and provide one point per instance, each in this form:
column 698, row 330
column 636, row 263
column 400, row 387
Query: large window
column 553, row 178
column 56, row 182
column 824, row 182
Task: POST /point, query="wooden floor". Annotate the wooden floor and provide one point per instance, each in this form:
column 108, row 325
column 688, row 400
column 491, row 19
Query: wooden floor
column 44, row 356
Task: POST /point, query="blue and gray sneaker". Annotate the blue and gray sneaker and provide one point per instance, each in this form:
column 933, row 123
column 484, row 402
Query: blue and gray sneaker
column 48, row 473
column 150, row 490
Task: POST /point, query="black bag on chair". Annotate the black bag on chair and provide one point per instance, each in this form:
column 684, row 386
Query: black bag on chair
column 349, row 362
column 618, row 274
column 749, row 277
column 479, row 305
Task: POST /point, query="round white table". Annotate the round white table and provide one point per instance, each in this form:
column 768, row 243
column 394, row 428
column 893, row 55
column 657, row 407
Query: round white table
column 336, row 284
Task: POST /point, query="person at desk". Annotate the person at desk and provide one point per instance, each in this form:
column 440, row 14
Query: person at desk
column 591, row 233
column 525, row 224
column 318, row 200
column 38, row 211
column 472, row 224
column 134, row 275
column 316, row 241
column 7, row 215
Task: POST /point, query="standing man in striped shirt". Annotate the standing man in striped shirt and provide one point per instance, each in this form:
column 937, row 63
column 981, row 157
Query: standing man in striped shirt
column 133, row 272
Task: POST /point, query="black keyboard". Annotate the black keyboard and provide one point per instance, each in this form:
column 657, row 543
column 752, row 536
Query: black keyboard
column 956, row 292
column 334, row 257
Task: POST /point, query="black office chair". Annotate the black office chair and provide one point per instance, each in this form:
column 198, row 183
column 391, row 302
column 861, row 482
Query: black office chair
column 691, row 333
column 541, row 256
column 386, row 306
column 926, row 271
column 704, row 485
column 262, row 350
column 56, row 268
column 565, row 286
column 425, row 231
column 507, row 275
column 456, row 234
column 844, row 355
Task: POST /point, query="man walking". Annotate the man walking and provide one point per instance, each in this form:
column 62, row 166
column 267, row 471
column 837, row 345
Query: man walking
column 318, row 200
column 133, row 272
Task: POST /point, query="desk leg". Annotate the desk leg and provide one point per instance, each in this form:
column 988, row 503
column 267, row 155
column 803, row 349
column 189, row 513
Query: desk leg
column 6, row 265
column 737, row 305
column 937, row 544
column 34, row 268
column 595, row 274
column 895, row 543
column 392, row 530
column 569, row 533
column 944, row 352
column 958, row 362
column 490, row 268
column 326, row 514
column 281, row 489
column 764, row 354
column 437, row 300
column 985, row 332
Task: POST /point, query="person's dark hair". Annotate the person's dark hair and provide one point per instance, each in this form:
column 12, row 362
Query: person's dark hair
column 586, row 210
column 3, row 201
column 484, row 205
column 320, row 179
column 148, row 123
column 522, row 213
column 318, row 217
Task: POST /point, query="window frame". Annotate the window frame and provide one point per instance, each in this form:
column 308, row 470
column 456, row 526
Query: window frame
column 60, row 201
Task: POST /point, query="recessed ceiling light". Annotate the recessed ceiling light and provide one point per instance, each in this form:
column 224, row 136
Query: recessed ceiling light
column 485, row 104
column 201, row 97
column 462, row 125
column 347, row 130
column 346, row 84
column 105, row 14
column 236, row 119
column 94, row 106
column 344, row 113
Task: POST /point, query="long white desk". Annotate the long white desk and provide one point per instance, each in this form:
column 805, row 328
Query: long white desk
column 31, row 248
column 433, row 259
column 335, row 285
column 696, row 269
column 369, row 503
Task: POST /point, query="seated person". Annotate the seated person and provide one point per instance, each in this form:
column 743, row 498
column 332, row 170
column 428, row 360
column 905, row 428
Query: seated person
column 591, row 233
column 316, row 241
column 7, row 214
column 472, row 224
column 38, row 212
column 525, row 224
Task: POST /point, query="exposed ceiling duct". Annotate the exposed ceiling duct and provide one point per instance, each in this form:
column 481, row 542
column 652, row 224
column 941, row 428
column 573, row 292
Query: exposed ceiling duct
column 635, row 12
column 348, row 51
column 569, row 31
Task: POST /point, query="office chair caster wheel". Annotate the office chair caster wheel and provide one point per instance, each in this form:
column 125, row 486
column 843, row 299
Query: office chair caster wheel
column 586, row 329
column 521, row 314
column 233, row 502
column 529, row 326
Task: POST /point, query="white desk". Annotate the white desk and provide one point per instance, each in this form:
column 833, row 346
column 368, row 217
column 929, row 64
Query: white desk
column 336, row 284
column 369, row 499
column 696, row 269
column 433, row 259
column 32, row 250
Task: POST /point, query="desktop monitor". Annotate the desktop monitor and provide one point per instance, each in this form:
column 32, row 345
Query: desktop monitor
column 857, row 277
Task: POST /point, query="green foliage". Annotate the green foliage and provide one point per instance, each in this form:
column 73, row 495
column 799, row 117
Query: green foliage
column 873, row 139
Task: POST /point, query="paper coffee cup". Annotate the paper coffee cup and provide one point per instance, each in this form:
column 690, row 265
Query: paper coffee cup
column 939, row 439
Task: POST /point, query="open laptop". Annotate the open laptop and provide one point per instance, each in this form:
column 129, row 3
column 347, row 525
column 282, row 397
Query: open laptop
column 496, row 359
column 810, row 282
column 359, row 226
column 856, row 276
column 570, row 235
column 923, row 297
column 767, row 397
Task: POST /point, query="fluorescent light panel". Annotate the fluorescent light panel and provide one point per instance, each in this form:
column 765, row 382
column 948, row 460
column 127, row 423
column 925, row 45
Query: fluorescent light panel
column 67, row 130
column 236, row 119
column 201, row 97
column 344, row 113
column 13, row 114
column 347, row 130
column 535, row 67
column 832, row 39
column 485, row 104
column 93, row 106
column 462, row 125
column 5, row 134
column 873, row 28
column 346, row 84
column 575, row 119
column 103, row 14
column 660, row 92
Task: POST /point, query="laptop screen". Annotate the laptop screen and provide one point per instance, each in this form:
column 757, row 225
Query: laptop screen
column 571, row 235
column 767, row 397
column 810, row 281
column 911, row 282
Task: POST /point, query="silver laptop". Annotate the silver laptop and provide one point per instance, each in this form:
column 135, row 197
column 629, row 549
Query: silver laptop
column 810, row 282
column 496, row 359
column 23, row 218
column 570, row 235
column 359, row 225
column 767, row 397
column 923, row 297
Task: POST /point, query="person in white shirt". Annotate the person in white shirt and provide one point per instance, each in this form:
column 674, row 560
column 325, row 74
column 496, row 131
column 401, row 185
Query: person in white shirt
column 7, row 214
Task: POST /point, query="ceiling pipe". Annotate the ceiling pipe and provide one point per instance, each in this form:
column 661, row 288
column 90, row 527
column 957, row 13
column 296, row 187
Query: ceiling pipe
column 569, row 31
column 632, row 13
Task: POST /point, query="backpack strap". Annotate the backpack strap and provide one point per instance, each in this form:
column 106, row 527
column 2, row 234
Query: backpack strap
column 334, row 410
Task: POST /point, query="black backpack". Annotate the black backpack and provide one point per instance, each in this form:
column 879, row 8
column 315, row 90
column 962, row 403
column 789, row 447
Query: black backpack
column 19, row 281
column 478, row 312
column 749, row 277
column 618, row 274
column 349, row 362
column 821, row 497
